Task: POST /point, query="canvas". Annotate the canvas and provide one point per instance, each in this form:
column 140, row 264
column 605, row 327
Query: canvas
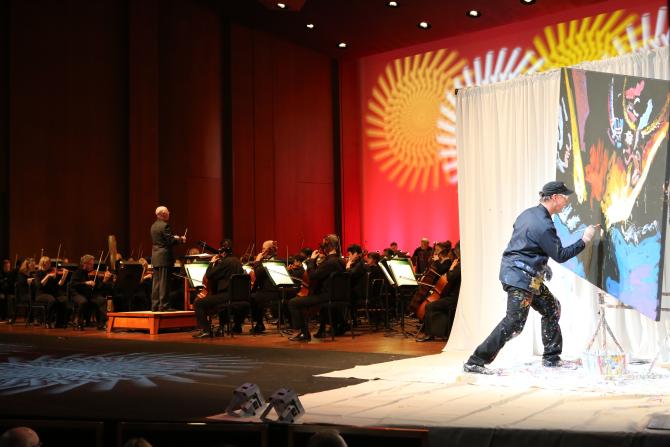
column 612, row 150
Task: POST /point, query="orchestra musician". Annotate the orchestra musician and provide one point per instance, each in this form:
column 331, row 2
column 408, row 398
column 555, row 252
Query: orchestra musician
column 421, row 256
column 320, row 277
column 23, row 287
column 264, row 291
column 162, row 259
column 217, row 278
column 7, row 280
column 85, row 293
column 51, row 291
column 356, row 267
column 439, row 317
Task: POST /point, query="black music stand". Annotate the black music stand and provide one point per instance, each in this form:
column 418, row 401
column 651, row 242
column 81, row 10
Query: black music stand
column 400, row 273
column 281, row 279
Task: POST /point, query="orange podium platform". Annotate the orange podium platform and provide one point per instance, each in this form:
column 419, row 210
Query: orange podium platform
column 152, row 321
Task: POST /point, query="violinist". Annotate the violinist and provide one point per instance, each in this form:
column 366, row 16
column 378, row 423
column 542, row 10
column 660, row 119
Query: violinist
column 162, row 259
column 264, row 291
column 50, row 290
column 221, row 268
column 440, row 314
column 85, row 293
column 320, row 280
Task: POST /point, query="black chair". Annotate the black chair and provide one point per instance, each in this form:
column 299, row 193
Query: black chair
column 240, row 291
column 373, row 300
column 340, row 295
column 28, row 304
column 128, row 282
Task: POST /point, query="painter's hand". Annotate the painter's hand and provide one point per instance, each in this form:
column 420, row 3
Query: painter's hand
column 589, row 233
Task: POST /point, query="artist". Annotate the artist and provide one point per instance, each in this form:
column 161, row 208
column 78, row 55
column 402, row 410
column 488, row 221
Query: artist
column 523, row 270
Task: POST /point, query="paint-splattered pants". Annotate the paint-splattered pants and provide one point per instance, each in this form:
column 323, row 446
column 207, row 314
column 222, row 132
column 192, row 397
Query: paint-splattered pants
column 518, row 304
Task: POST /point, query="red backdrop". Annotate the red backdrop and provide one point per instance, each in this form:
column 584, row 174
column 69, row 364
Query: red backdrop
column 383, row 209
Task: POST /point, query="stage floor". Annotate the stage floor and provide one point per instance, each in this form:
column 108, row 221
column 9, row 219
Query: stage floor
column 171, row 377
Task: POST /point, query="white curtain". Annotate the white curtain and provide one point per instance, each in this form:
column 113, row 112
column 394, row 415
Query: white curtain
column 506, row 138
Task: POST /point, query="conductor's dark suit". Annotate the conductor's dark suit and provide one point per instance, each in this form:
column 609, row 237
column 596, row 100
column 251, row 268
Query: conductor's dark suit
column 161, row 260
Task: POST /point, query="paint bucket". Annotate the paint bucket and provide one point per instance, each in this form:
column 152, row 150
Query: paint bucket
column 605, row 364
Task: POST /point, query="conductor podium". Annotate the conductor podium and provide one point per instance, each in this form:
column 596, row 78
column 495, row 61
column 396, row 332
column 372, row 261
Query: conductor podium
column 127, row 283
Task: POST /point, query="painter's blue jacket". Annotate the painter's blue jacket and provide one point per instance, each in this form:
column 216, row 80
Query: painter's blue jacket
column 534, row 240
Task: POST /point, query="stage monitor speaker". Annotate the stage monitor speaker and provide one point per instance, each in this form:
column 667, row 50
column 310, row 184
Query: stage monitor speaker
column 247, row 401
column 287, row 406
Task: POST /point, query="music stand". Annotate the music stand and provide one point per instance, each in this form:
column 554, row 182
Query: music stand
column 281, row 279
column 404, row 282
column 195, row 273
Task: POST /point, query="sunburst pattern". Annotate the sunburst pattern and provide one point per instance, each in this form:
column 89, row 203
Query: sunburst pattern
column 590, row 38
column 403, row 115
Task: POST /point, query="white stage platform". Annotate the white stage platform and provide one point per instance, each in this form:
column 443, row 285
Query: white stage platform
column 434, row 392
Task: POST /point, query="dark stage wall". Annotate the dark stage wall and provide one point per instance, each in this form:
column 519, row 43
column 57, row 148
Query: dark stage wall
column 109, row 108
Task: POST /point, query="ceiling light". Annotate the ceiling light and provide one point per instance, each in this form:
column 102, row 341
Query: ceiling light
column 281, row 5
column 423, row 25
column 342, row 44
column 392, row 4
column 527, row 2
column 474, row 13
column 310, row 25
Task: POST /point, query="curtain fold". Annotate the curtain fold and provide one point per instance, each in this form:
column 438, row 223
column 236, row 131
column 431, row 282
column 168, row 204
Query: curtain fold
column 506, row 139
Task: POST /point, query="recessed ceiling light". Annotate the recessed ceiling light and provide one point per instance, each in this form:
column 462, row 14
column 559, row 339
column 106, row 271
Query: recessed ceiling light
column 474, row 13
column 342, row 44
column 392, row 4
column 310, row 25
column 527, row 2
column 423, row 25
column 281, row 5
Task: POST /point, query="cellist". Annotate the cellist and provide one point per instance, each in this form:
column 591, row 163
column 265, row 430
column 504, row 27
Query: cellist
column 444, row 309
column 217, row 278
column 320, row 280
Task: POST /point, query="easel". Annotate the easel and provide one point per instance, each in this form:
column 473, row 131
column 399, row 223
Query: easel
column 603, row 328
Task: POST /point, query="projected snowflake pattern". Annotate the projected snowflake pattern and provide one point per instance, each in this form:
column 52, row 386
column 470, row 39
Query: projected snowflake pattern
column 639, row 35
column 104, row 371
column 504, row 68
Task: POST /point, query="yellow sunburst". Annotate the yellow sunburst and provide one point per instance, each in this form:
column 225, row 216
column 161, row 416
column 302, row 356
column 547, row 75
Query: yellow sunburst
column 401, row 123
column 582, row 40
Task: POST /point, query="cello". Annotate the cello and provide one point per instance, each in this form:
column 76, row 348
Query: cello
column 430, row 277
column 434, row 295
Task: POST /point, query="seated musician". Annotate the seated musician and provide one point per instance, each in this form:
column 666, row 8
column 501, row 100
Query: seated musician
column 320, row 285
column 221, row 268
column 51, row 291
column 23, row 286
column 440, row 314
column 7, row 280
column 86, row 293
column 356, row 266
column 264, row 291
